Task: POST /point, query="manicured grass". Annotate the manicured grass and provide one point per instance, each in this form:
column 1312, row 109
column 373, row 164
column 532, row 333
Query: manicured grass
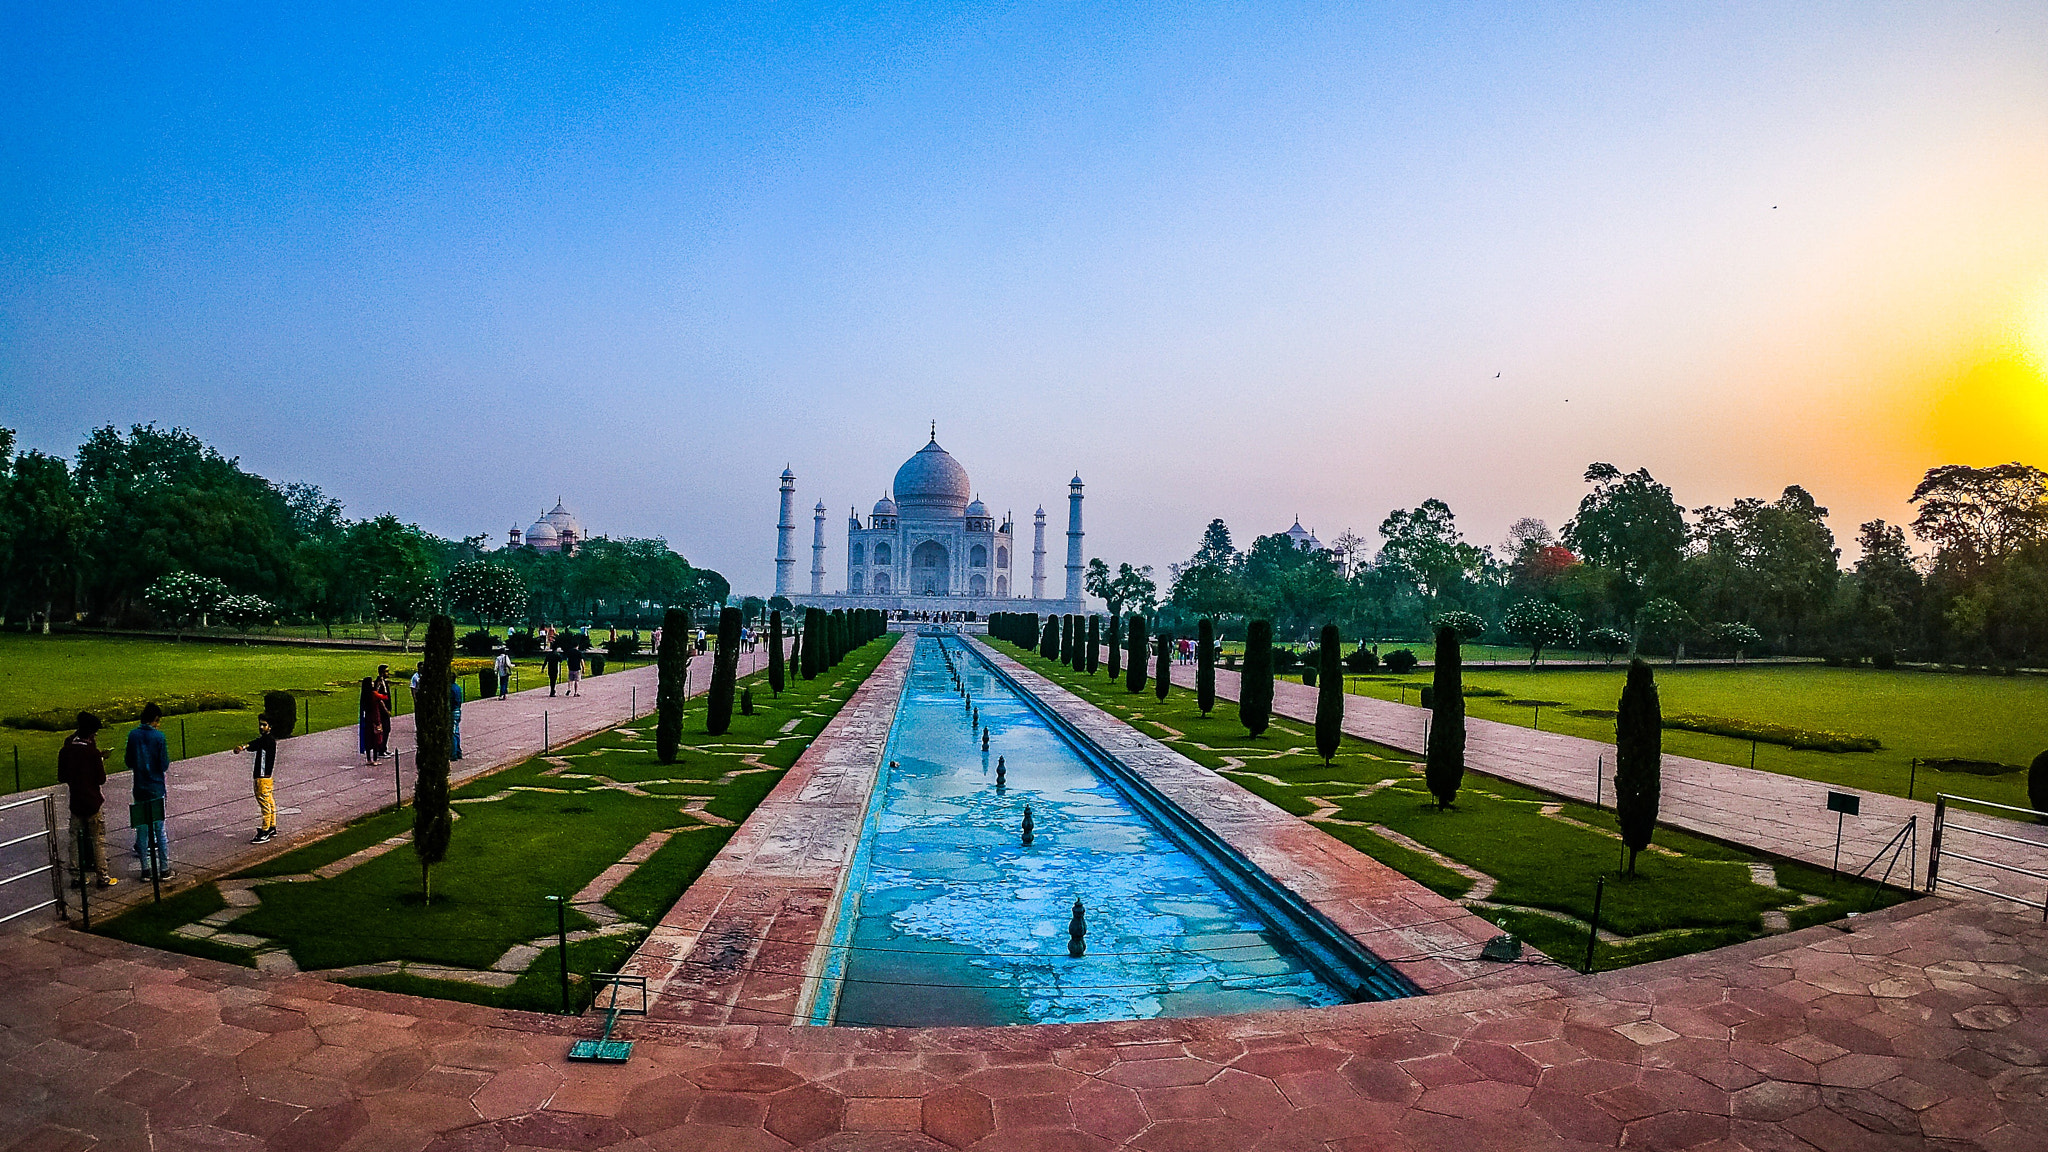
column 545, row 827
column 1544, row 854
column 69, row 673
column 1913, row 714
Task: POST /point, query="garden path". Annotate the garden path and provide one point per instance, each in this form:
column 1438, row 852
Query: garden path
column 1783, row 815
column 322, row 781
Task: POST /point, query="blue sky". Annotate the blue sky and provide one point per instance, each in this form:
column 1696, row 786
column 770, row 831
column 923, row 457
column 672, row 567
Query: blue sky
column 1224, row 260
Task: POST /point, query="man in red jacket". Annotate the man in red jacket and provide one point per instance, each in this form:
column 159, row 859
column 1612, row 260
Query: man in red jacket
column 82, row 767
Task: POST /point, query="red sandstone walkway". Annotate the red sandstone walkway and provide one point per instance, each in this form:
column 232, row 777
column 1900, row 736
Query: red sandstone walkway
column 322, row 782
column 1784, row 815
column 1924, row 1028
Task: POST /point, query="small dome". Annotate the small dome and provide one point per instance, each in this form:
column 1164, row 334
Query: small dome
column 563, row 520
column 885, row 507
column 787, row 474
column 542, row 533
column 977, row 509
column 932, row 483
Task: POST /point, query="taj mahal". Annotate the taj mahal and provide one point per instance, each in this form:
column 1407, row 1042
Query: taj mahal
column 930, row 545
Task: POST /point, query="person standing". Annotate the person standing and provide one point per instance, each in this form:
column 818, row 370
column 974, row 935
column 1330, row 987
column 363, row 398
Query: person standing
column 262, row 767
column 82, row 767
column 554, row 662
column 575, row 670
column 454, row 719
column 503, row 667
column 380, row 700
column 149, row 757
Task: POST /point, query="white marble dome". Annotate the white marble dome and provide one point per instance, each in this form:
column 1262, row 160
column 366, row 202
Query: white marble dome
column 543, row 535
column 932, row 484
column 977, row 508
column 885, row 507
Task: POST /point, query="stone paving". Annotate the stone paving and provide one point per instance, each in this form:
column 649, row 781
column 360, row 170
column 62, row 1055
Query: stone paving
column 1783, row 815
column 1925, row 1027
column 322, row 781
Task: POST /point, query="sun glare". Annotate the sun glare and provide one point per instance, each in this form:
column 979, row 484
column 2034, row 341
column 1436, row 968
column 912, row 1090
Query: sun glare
column 2034, row 330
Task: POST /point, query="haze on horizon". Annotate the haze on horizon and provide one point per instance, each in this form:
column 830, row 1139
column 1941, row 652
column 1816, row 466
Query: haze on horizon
column 1247, row 262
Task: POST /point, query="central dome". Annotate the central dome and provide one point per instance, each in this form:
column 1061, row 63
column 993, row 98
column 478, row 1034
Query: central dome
column 932, row 484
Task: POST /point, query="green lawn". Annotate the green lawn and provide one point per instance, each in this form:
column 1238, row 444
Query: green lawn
column 1544, row 854
column 1913, row 714
column 534, row 830
column 72, row 673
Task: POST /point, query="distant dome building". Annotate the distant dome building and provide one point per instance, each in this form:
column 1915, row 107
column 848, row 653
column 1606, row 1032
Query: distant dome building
column 1303, row 538
column 556, row 531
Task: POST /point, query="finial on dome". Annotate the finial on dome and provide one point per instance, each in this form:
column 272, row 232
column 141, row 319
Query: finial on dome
column 935, row 431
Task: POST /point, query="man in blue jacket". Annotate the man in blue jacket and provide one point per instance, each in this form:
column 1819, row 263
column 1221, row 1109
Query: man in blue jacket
column 149, row 758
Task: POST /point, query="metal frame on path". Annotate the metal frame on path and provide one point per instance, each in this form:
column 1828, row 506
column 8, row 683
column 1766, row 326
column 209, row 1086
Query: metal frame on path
column 55, row 866
column 1935, row 851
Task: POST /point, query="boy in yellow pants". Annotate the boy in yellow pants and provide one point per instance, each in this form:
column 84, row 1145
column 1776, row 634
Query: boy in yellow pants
column 264, row 765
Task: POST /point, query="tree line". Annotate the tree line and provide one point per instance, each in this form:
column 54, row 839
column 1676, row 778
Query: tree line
column 1633, row 570
column 154, row 527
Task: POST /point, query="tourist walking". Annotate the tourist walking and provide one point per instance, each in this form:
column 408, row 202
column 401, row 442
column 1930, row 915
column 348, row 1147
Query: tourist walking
column 554, row 662
column 82, row 768
column 575, row 670
column 261, row 768
column 503, row 667
column 149, row 758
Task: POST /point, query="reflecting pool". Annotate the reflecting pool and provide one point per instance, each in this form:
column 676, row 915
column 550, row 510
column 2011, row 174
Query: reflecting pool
column 951, row 919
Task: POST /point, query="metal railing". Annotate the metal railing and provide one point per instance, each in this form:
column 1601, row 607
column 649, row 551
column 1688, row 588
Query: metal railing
column 1935, row 851
column 55, row 865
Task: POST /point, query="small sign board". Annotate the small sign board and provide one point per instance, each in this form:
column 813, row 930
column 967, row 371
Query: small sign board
column 145, row 810
column 1847, row 803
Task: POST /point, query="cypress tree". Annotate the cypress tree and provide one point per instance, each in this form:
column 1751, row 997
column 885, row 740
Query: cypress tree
column 1049, row 639
column 775, row 669
column 1446, row 769
column 1205, row 666
column 1027, row 631
column 1067, row 639
column 725, row 665
column 2037, row 785
column 670, row 663
column 1329, row 694
column 433, row 737
column 1134, row 673
column 1638, row 759
column 838, row 631
column 1255, row 682
column 796, row 651
column 814, row 642
column 1114, row 645
column 1094, row 643
column 1162, row 673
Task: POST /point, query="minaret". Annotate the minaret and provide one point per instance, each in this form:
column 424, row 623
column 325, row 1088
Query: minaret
column 785, row 538
column 1038, row 555
column 818, row 550
column 1074, row 539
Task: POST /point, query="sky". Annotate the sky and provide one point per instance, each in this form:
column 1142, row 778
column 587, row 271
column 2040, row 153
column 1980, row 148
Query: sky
column 1224, row 260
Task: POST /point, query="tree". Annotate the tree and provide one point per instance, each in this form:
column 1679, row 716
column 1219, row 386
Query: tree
column 1094, row 643
column 1468, row 625
column 244, row 611
column 41, row 551
column 1664, row 618
column 485, row 592
column 1424, row 545
column 1255, row 683
column 814, row 643
column 1887, row 582
column 1975, row 515
column 2037, row 786
column 433, row 734
column 671, row 665
column 1329, row 694
column 1540, row 624
column 775, row 669
column 725, row 663
column 1162, row 672
column 407, row 597
column 1205, row 665
column 1630, row 525
column 184, row 598
column 1130, row 587
column 1638, row 759
column 1738, row 637
column 1445, row 771
column 1609, row 642
column 1134, row 674
column 1115, row 645
column 1049, row 640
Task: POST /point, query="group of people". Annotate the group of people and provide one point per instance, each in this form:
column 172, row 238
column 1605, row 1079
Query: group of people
column 82, row 769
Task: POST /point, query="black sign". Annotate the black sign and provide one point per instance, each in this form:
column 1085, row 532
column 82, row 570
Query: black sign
column 1847, row 803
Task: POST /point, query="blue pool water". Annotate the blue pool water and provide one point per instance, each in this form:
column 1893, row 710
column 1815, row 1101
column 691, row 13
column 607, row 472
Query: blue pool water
column 950, row 919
